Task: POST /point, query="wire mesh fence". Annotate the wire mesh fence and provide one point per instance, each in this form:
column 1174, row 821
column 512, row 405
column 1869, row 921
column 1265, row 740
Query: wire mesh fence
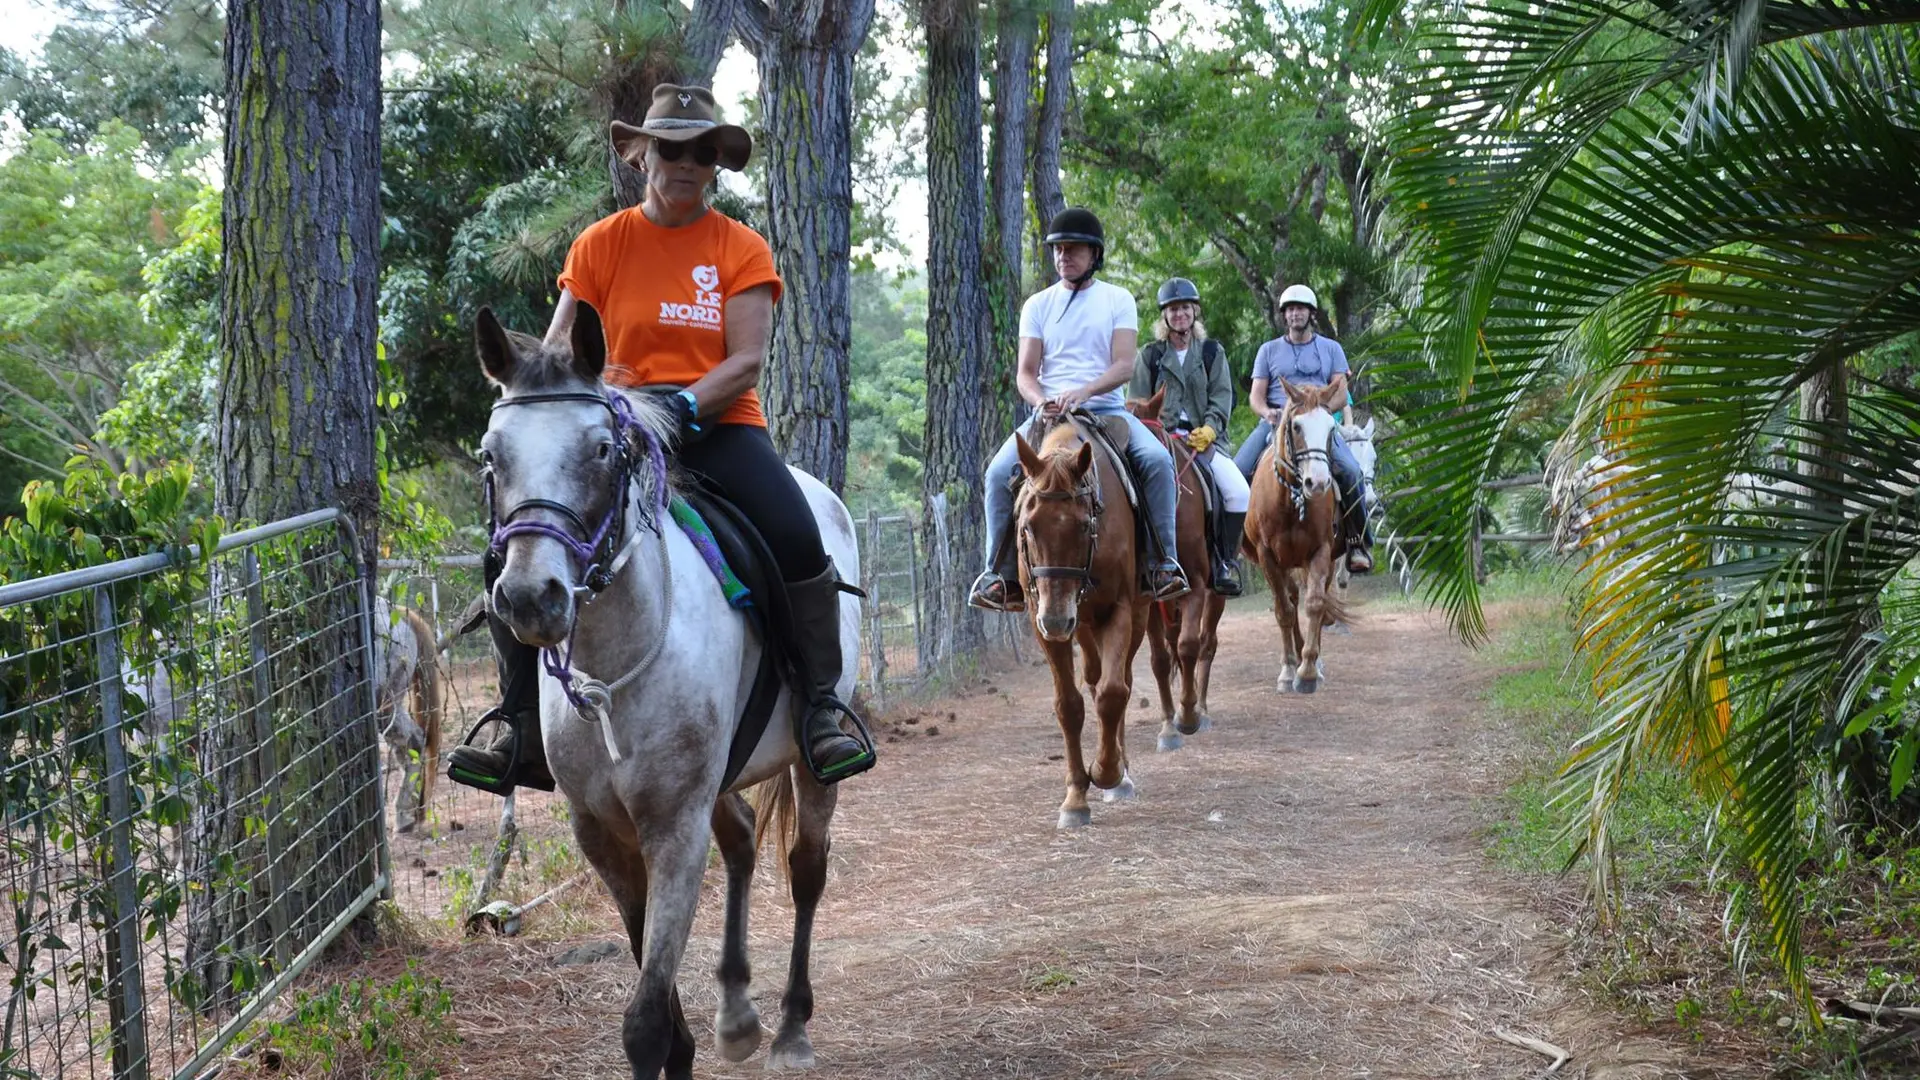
column 190, row 771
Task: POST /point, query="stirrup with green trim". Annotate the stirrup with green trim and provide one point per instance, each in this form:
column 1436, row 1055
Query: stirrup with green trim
column 501, row 767
column 833, row 772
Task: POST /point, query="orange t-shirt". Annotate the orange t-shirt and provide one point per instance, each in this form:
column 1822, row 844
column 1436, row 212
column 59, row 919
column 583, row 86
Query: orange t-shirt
column 662, row 293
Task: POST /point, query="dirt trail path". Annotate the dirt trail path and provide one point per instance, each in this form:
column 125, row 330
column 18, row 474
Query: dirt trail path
column 1301, row 892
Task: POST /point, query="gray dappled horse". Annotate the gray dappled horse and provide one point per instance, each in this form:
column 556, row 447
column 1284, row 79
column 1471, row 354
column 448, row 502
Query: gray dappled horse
column 578, row 473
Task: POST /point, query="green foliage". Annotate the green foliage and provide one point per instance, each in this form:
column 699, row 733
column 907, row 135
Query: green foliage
column 887, row 407
column 1686, row 214
column 365, row 1029
column 76, row 229
column 482, row 193
column 91, row 77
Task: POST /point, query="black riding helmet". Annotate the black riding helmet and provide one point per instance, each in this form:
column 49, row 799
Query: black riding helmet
column 1176, row 290
column 1078, row 225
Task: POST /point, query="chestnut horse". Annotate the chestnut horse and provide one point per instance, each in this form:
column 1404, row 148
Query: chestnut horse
column 1082, row 578
column 1186, row 629
column 1292, row 530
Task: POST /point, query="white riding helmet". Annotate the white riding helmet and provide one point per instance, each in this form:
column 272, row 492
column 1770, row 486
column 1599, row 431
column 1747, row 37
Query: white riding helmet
column 1299, row 294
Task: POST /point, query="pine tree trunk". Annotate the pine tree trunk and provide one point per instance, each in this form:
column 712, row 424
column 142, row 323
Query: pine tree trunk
column 296, row 426
column 960, row 392
column 1007, row 171
column 805, row 53
column 1047, row 197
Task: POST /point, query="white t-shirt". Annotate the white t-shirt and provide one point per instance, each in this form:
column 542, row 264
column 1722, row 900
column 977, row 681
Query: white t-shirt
column 1077, row 338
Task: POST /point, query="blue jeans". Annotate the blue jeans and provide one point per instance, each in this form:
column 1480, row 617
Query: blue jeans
column 1150, row 461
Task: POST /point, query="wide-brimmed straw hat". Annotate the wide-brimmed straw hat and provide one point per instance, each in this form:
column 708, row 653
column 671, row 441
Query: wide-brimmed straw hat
column 683, row 114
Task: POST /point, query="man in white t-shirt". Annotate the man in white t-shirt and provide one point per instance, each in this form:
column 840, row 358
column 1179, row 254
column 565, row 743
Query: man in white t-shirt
column 1077, row 342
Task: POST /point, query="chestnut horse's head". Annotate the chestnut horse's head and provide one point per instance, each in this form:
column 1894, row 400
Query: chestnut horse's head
column 1059, row 518
column 1305, row 441
column 1148, row 409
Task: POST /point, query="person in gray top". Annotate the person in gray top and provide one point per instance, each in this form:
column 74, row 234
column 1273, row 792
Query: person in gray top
column 1193, row 371
column 1303, row 357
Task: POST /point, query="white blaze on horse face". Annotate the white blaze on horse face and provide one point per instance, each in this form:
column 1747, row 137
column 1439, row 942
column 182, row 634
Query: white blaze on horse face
column 1313, row 430
column 545, row 452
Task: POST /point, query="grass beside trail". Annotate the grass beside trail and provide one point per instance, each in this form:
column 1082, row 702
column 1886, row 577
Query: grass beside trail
column 1673, row 954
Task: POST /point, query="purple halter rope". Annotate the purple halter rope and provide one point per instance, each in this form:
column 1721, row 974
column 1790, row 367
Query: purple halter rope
column 591, row 554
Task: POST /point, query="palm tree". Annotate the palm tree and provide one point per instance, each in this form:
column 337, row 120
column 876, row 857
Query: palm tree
column 1702, row 213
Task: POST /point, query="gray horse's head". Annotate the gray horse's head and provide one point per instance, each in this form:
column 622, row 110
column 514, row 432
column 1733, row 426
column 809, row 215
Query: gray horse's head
column 560, row 460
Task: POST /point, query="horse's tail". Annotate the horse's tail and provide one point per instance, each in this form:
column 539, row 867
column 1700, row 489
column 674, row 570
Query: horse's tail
column 774, row 815
column 429, row 700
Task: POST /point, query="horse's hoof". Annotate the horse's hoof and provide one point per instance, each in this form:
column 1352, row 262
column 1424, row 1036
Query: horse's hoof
column 1076, row 819
column 1305, row 686
column 1341, row 628
column 1124, row 791
column 739, row 1040
column 791, row 1053
column 1286, row 681
column 1206, row 723
column 1186, row 728
column 1170, row 743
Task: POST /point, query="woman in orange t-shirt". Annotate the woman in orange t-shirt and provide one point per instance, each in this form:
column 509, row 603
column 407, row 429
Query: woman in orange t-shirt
column 686, row 297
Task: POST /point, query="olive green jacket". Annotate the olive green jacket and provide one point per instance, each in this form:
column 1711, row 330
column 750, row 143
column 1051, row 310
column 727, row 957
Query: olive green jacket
column 1198, row 392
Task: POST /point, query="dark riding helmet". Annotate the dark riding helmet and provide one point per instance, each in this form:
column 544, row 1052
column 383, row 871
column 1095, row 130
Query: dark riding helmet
column 1076, row 225
column 1176, row 290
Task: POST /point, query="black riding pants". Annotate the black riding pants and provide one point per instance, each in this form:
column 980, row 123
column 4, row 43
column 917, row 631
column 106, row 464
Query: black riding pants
column 738, row 462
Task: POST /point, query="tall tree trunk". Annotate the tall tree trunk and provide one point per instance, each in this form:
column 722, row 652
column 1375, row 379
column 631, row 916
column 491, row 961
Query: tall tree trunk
column 1018, row 25
column 960, row 398
column 805, row 53
column 298, row 330
column 1047, row 197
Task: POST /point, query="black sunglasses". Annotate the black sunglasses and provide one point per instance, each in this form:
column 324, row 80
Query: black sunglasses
column 704, row 153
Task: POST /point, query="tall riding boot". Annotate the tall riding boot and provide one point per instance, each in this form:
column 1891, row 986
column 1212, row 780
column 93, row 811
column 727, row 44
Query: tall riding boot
column 516, row 757
column 1354, row 529
column 1226, row 561
column 831, row 754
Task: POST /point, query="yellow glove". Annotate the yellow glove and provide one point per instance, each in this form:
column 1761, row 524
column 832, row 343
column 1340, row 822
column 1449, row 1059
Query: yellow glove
column 1200, row 438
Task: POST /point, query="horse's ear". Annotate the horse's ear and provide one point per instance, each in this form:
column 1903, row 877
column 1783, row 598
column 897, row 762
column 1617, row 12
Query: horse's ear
column 1156, row 403
column 589, row 341
column 1083, row 460
column 497, row 356
column 1030, row 462
column 1367, row 431
column 1294, row 393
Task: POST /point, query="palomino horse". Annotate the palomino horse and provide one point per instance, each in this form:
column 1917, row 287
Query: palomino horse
column 1186, row 629
column 1082, row 578
column 1292, row 529
column 409, row 702
column 578, row 483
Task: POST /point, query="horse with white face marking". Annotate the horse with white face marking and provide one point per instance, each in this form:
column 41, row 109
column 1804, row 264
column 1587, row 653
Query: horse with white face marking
column 1293, row 530
column 576, row 465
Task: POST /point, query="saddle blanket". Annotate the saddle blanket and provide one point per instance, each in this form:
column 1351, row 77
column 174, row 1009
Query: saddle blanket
column 698, row 531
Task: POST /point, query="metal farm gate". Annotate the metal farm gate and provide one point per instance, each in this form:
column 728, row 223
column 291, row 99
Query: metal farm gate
column 190, row 791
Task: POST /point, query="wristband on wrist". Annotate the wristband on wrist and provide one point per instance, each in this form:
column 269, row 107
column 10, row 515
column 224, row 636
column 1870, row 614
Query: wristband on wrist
column 693, row 406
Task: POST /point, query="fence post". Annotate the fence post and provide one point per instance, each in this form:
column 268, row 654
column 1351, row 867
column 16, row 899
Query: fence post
column 126, row 989
column 877, row 634
column 917, row 585
column 268, row 750
column 949, row 608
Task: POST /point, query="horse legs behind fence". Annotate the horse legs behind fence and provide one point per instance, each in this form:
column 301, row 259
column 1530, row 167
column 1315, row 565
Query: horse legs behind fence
column 1070, row 709
column 807, row 847
column 737, row 1026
